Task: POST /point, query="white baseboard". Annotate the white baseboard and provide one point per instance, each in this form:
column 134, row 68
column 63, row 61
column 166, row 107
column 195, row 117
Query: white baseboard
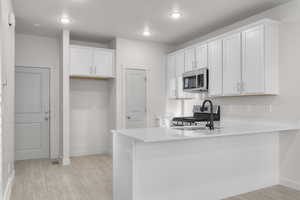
column 290, row 183
column 87, row 152
column 66, row 161
column 9, row 185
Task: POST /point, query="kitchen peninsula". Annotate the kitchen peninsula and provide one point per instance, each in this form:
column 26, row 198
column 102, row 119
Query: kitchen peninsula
column 172, row 164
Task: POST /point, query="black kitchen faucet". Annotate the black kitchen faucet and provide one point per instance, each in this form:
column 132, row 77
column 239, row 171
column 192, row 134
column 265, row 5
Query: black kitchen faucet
column 210, row 124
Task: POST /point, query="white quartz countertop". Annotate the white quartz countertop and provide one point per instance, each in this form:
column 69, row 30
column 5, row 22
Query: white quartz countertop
column 224, row 128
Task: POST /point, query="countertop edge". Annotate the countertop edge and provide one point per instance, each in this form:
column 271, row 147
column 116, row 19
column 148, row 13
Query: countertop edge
column 279, row 129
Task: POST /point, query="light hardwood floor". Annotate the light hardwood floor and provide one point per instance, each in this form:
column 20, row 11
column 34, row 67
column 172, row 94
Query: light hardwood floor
column 90, row 178
column 272, row 193
column 87, row 178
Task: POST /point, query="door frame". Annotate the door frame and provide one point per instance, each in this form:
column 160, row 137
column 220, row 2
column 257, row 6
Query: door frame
column 53, row 126
column 125, row 92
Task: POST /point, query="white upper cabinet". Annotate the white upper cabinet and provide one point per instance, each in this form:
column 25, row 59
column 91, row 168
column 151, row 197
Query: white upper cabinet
column 171, row 76
column 201, row 56
column 175, row 69
column 81, row 61
column 253, row 73
column 232, row 65
column 91, row 62
column 215, row 66
column 189, row 59
column 260, row 59
column 241, row 62
column 179, row 57
column 103, row 62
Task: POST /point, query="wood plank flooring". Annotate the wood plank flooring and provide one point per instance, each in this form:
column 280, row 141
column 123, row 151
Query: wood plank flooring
column 90, row 178
column 272, row 193
column 87, row 178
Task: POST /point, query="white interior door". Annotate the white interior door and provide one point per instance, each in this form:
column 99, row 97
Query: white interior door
column 32, row 113
column 136, row 98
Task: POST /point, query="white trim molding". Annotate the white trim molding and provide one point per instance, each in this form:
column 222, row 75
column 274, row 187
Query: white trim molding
column 66, row 161
column 9, row 186
column 290, row 183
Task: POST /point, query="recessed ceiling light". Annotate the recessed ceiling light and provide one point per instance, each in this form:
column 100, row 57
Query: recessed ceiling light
column 176, row 14
column 146, row 33
column 36, row 25
column 65, row 20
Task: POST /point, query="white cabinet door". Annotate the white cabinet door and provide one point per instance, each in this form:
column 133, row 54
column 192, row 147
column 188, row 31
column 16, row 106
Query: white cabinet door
column 253, row 73
column 179, row 83
column 171, row 76
column 215, row 63
column 201, row 56
column 103, row 63
column 189, row 59
column 81, row 61
column 179, row 63
column 232, row 64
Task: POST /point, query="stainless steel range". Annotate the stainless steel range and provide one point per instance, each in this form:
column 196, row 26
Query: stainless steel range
column 199, row 118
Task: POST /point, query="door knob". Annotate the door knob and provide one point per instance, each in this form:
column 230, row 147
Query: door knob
column 46, row 118
column 128, row 117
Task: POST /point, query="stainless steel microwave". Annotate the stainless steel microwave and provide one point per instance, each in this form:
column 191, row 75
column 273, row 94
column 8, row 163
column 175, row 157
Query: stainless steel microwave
column 196, row 80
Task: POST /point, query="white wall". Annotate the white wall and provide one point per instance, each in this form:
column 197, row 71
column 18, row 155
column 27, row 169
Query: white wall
column 90, row 44
column 64, row 97
column 89, row 117
column 133, row 53
column 282, row 107
column 36, row 51
column 7, row 34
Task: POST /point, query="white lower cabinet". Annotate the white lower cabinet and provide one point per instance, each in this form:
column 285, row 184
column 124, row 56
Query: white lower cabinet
column 91, row 62
column 176, row 168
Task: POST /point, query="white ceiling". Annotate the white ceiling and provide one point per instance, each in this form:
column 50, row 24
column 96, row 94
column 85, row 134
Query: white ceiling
column 102, row 20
